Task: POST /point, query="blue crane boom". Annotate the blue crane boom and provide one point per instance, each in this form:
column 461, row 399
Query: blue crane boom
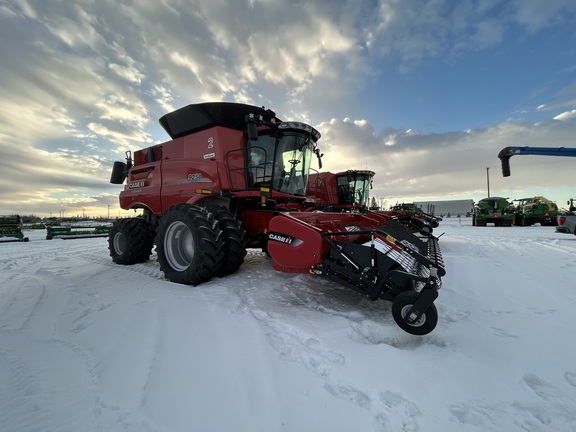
column 507, row 152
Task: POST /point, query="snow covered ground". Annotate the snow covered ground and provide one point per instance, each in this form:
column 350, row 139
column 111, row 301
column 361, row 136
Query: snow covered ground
column 87, row 345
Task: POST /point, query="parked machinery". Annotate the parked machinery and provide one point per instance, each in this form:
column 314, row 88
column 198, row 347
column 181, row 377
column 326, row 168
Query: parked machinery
column 495, row 210
column 507, row 152
column 530, row 211
column 11, row 229
column 341, row 191
column 416, row 215
column 235, row 176
column 349, row 191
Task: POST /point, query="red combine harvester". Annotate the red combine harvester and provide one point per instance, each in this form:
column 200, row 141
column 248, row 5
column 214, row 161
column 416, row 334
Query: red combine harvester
column 349, row 191
column 235, row 176
column 342, row 191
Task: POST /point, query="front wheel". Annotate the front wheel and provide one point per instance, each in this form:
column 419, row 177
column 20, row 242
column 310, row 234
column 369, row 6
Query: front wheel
column 235, row 240
column 130, row 241
column 189, row 244
column 402, row 305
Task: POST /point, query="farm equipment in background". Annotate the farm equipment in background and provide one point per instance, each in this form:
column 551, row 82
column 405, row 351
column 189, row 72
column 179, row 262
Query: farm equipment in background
column 530, row 211
column 496, row 210
column 562, row 220
column 349, row 191
column 417, row 216
column 76, row 231
column 341, row 192
column 235, row 176
column 507, row 152
column 11, row 229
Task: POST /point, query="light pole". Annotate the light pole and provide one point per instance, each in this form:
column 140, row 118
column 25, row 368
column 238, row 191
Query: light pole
column 488, row 180
column 108, row 211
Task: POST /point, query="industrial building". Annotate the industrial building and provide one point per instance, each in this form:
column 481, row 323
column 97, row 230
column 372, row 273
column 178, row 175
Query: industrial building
column 448, row 208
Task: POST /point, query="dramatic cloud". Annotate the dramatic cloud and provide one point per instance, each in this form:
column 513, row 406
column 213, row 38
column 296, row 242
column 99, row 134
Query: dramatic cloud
column 85, row 81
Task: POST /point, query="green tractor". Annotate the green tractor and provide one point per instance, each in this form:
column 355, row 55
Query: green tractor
column 496, row 210
column 530, row 211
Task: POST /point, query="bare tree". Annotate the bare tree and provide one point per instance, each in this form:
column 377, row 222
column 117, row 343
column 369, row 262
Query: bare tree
column 379, row 202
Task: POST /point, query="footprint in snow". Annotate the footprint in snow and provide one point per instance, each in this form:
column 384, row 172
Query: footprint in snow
column 393, row 412
column 477, row 412
column 570, row 378
column 496, row 331
column 554, row 405
column 349, row 393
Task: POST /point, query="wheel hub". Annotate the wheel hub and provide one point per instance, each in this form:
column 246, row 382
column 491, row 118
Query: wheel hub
column 179, row 246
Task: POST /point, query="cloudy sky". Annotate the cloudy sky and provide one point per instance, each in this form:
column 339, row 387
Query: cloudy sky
column 424, row 93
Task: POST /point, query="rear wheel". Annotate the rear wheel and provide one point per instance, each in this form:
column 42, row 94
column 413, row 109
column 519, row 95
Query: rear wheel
column 481, row 222
column 189, row 244
column 130, row 241
column 235, row 240
column 402, row 305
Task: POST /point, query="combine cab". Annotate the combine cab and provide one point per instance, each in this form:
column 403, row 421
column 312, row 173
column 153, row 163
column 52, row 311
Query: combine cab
column 496, row 210
column 11, row 229
column 235, row 176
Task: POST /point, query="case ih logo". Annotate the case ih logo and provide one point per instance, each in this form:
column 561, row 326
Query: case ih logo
column 283, row 238
column 136, row 184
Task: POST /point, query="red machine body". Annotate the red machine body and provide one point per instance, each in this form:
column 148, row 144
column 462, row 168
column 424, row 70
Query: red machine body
column 234, row 176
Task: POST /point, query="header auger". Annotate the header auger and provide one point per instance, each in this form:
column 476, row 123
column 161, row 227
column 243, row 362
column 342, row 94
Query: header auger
column 236, row 176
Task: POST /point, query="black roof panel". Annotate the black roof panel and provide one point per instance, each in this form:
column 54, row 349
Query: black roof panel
column 196, row 117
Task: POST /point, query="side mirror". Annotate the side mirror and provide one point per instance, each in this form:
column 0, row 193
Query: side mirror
column 119, row 172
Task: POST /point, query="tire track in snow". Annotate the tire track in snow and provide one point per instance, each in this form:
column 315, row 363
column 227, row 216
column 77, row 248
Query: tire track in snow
column 149, row 268
column 18, row 301
column 294, row 298
column 43, row 388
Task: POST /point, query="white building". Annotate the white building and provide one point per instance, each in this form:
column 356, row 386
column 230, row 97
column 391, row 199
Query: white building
column 445, row 208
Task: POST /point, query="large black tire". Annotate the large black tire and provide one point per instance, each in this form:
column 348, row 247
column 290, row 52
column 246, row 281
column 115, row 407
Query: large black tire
column 130, row 241
column 235, row 240
column 402, row 305
column 481, row 222
column 189, row 244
